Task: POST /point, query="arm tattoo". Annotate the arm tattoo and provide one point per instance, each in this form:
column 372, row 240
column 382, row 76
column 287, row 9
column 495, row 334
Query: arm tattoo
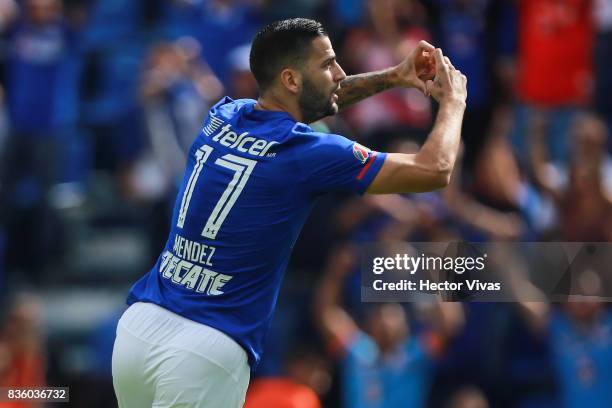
column 358, row 87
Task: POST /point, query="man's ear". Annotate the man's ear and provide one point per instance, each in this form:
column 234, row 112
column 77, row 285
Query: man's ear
column 291, row 80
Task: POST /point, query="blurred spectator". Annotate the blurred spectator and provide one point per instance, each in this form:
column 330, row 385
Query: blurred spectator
column 113, row 49
column 393, row 30
column 500, row 182
column 580, row 336
column 219, row 25
column 602, row 13
column 554, row 67
column 22, row 358
column 584, row 205
column 42, row 88
column 226, row 24
column 555, row 48
column 177, row 90
column 480, row 221
column 115, row 43
column 463, row 34
column 307, row 375
column 383, row 364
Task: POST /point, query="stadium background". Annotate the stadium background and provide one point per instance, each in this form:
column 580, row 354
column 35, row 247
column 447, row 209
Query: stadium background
column 100, row 99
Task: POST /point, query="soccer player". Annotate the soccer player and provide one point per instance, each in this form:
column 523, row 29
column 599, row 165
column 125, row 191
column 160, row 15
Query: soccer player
column 197, row 320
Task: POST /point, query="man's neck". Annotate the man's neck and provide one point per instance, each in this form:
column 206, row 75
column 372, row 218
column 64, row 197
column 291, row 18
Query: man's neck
column 272, row 103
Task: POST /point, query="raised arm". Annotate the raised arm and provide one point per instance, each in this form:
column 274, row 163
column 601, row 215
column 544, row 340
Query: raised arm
column 513, row 272
column 432, row 166
column 544, row 173
column 336, row 325
column 412, row 72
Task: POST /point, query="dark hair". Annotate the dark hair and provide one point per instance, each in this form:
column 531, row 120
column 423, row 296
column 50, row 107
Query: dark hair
column 281, row 44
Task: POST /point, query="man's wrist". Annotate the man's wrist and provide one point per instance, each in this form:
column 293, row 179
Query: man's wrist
column 453, row 103
column 394, row 77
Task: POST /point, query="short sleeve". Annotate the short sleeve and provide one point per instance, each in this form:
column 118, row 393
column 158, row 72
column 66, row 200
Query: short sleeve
column 334, row 163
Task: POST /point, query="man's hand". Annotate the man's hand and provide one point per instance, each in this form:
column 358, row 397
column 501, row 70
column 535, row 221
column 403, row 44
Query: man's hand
column 417, row 68
column 432, row 166
column 416, row 71
column 449, row 84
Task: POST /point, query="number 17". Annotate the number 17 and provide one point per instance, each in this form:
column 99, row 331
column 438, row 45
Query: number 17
column 242, row 169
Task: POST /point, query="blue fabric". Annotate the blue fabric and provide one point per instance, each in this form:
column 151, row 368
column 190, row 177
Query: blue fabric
column 372, row 380
column 349, row 12
column 583, row 361
column 115, row 95
column 506, row 29
column 218, row 29
column 463, row 38
column 264, row 212
column 181, row 19
column 42, row 79
column 223, row 31
column 112, row 21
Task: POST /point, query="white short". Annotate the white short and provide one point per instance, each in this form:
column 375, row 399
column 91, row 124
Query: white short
column 161, row 359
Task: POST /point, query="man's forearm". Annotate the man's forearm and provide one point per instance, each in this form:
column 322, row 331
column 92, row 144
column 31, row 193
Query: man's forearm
column 355, row 88
column 442, row 145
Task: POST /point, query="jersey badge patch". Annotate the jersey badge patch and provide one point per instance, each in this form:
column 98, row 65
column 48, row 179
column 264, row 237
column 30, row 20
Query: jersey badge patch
column 360, row 152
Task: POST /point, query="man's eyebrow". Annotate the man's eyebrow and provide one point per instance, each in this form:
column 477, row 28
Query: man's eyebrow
column 328, row 60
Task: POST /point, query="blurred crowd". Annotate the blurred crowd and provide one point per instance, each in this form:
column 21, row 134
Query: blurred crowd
column 100, row 100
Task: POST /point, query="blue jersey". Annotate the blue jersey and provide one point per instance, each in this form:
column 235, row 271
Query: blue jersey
column 583, row 360
column 42, row 79
column 251, row 179
column 401, row 379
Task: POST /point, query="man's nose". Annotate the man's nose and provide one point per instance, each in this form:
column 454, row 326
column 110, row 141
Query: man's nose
column 339, row 74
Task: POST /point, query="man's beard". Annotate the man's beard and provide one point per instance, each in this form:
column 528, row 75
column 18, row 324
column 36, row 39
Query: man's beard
column 314, row 104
